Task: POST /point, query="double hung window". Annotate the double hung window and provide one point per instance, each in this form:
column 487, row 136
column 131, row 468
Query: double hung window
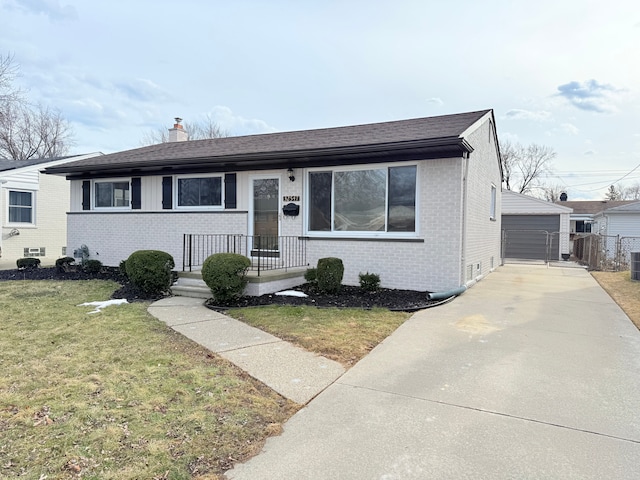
column 367, row 200
column 20, row 207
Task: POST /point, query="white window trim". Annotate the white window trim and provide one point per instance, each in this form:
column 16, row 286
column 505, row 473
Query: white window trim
column 109, row 180
column 31, row 224
column 355, row 234
column 176, row 196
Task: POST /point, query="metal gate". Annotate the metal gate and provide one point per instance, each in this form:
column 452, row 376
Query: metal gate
column 530, row 245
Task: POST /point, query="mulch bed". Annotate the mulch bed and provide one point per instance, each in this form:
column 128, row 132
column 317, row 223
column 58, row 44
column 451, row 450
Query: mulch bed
column 354, row 297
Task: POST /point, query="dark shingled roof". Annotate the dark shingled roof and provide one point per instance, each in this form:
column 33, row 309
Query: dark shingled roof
column 441, row 135
column 591, row 207
column 6, row 164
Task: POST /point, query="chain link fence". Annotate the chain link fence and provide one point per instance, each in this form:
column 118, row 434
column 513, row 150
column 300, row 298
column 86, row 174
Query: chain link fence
column 609, row 253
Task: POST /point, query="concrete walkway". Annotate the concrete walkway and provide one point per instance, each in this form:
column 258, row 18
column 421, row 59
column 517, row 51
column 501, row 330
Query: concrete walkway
column 533, row 373
column 291, row 371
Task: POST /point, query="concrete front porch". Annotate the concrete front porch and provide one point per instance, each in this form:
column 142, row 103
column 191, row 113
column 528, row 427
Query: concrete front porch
column 190, row 284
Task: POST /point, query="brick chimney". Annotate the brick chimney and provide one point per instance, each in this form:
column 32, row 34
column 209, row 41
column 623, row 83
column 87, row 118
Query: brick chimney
column 177, row 133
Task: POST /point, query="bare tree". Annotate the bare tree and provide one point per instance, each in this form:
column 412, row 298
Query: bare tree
column 8, row 72
column 523, row 167
column 552, row 192
column 202, row 129
column 632, row 192
column 26, row 130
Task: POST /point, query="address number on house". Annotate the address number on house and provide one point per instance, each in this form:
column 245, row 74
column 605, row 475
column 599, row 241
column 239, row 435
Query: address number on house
column 291, row 198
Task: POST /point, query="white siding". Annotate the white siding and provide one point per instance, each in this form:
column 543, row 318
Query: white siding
column 51, row 201
column 623, row 224
column 482, row 234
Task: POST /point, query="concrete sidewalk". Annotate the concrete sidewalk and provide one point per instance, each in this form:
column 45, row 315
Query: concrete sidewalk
column 533, row 373
column 294, row 373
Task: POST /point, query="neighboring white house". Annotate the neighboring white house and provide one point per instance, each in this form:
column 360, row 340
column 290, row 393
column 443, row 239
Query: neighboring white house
column 415, row 201
column 33, row 207
column 534, row 229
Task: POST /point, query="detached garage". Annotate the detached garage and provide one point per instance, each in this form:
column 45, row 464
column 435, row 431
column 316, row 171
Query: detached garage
column 533, row 229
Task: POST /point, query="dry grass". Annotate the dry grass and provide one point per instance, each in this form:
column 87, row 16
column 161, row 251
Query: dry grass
column 117, row 395
column 624, row 291
column 344, row 335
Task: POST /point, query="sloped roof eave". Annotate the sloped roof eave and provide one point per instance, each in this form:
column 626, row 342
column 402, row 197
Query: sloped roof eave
column 437, row 148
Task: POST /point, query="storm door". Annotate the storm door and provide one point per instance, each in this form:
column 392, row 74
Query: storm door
column 266, row 215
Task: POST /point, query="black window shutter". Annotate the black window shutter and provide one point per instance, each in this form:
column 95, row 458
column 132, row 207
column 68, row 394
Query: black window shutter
column 167, row 200
column 136, row 193
column 230, row 190
column 86, row 195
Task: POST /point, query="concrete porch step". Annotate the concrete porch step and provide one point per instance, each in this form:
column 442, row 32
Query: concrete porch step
column 190, row 284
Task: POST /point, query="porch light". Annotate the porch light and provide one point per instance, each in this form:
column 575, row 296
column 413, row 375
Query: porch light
column 291, row 176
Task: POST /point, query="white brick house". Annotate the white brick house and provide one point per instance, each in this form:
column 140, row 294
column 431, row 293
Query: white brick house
column 33, row 210
column 415, row 201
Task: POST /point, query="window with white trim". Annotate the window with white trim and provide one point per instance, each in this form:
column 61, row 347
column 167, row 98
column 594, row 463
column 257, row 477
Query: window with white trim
column 199, row 191
column 112, row 194
column 21, row 207
column 492, row 210
column 368, row 200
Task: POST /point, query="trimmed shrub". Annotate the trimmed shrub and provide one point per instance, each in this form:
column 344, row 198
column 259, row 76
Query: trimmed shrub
column 64, row 264
column 369, row 282
column 226, row 275
column 123, row 267
column 91, row 266
column 28, row 262
column 311, row 275
column 329, row 274
column 150, row 270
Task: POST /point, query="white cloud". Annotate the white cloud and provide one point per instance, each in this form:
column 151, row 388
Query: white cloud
column 589, row 152
column 435, row 101
column 237, row 124
column 569, row 128
column 49, row 8
column 520, row 114
column 591, row 95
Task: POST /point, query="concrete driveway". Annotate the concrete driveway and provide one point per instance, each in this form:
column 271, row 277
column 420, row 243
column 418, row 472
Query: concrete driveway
column 533, row 373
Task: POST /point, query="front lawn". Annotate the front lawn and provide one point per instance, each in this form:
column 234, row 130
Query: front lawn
column 117, row 394
column 345, row 335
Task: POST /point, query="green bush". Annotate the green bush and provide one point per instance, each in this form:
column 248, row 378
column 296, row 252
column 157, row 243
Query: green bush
column 226, row 275
column 311, row 275
column 64, row 264
column 150, row 270
column 28, row 262
column 92, row 266
column 329, row 274
column 369, row 282
column 123, row 267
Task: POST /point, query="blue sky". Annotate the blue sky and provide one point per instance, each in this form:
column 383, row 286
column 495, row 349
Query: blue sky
column 559, row 73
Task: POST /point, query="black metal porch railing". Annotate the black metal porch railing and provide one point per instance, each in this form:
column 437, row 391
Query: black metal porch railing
column 266, row 252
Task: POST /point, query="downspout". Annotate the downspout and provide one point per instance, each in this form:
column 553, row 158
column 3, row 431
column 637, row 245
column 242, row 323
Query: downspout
column 463, row 240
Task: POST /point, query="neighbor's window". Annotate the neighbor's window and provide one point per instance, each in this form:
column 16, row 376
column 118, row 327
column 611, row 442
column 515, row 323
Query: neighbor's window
column 200, row 192
column 20, row 207
column 365, row 200
column 112, row 194
column 492, row 212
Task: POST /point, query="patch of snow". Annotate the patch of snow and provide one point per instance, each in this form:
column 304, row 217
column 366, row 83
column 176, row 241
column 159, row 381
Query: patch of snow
column 291, row 293
column 100, row 305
